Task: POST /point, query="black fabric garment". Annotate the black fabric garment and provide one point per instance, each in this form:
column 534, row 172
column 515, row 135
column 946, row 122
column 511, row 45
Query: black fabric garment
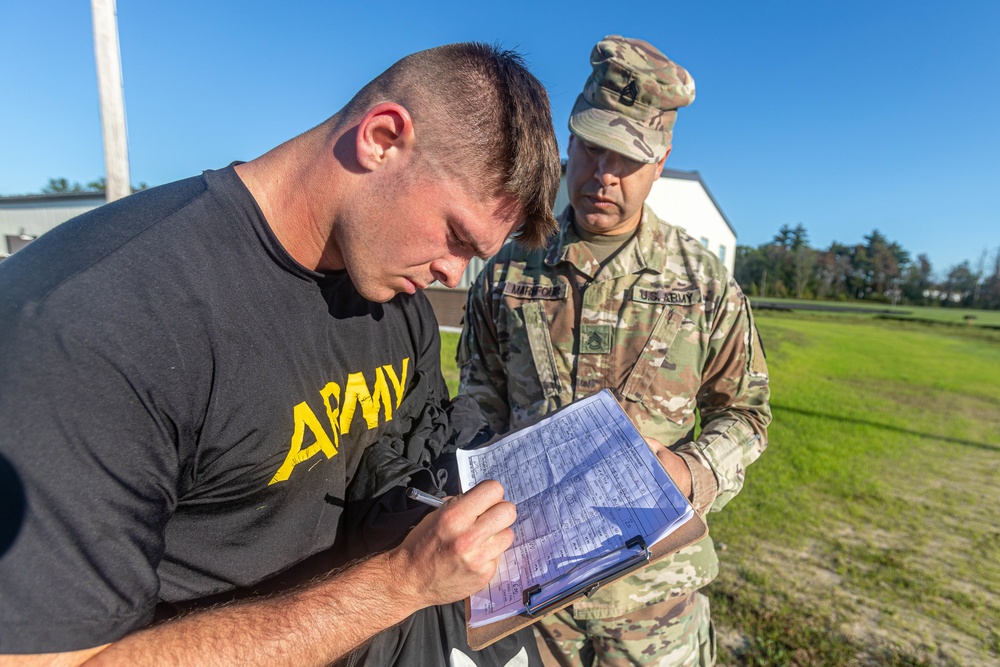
column 417, row 450
column 420, row 451
column 436, row 636
column 184, row 406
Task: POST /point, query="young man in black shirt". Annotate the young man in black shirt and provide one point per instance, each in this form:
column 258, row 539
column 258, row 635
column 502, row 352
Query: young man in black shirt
column 190, row 377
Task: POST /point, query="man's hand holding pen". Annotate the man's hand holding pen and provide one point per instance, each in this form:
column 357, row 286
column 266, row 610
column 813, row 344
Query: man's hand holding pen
column 455, row 550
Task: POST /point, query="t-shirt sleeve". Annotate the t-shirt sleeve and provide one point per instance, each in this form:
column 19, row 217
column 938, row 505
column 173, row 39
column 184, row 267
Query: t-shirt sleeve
column 483, row 372
column 92, row 448
column 427, row 341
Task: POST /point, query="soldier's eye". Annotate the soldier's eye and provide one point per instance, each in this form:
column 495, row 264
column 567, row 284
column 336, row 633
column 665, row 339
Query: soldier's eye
column 457, row 240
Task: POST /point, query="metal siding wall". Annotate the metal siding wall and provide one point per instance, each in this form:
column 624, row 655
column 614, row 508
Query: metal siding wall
column 685, row 203
column 471, row 271
column 38, row 218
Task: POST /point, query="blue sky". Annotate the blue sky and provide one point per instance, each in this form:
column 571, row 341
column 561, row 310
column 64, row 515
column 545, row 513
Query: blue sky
column 845, row 116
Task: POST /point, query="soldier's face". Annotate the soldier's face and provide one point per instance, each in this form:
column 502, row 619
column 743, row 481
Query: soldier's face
column 607, row 189
column 419, row 230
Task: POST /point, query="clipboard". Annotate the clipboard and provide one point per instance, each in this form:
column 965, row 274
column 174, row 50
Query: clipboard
column 688, row 533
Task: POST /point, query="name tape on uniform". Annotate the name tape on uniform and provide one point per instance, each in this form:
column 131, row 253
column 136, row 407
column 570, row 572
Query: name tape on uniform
column 534, row 291
column 676, row 298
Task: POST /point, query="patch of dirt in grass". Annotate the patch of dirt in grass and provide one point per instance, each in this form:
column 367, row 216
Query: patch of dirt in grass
column 917, row 576
column 876, row 627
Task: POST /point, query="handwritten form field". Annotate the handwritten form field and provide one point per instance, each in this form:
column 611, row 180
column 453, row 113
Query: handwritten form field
column 584, row 482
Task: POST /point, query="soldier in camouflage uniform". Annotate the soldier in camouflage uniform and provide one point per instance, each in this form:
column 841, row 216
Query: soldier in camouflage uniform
column 623, row 300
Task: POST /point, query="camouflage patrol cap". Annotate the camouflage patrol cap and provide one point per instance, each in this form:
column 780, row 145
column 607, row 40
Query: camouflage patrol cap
column 629, row 103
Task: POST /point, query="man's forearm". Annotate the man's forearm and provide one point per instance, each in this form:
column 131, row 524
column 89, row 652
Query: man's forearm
column 314, row 625
column 452, row 552
column 726, row 445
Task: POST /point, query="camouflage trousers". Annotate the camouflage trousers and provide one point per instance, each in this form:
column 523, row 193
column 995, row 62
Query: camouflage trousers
column 675, row 633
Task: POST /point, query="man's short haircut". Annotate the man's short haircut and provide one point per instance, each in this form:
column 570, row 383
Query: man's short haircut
column 482, row 117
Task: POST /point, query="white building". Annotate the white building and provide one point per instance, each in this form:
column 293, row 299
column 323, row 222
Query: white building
column 23, row 218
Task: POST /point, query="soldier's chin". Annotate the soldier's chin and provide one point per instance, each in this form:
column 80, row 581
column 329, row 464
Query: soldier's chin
column 599, row 222
column 376, row 293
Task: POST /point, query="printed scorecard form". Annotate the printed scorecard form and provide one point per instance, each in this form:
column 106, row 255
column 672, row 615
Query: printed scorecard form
column 584, row 482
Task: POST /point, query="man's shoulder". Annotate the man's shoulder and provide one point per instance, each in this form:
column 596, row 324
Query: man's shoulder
column 514, row 262
column 684, row 253
column 513, row 252
column 416, row 308
column 107, row 262
column 92, row 237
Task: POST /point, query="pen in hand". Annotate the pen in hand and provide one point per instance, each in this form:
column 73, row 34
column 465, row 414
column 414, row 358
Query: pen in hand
column 425, row 498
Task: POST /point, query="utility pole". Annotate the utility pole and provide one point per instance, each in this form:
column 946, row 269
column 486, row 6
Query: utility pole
column 979, row 278
column 112, row 98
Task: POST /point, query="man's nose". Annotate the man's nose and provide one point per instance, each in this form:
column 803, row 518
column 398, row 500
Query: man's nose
column 448, row 270
column 609, row 167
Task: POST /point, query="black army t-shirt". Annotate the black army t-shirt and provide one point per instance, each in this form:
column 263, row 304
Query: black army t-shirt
column 183, row 405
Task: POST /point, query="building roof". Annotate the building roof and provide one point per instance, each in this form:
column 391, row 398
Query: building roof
column 696, row 176
column 51, row 197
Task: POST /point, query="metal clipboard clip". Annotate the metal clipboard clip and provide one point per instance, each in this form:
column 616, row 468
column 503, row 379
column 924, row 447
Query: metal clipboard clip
column 590, row 586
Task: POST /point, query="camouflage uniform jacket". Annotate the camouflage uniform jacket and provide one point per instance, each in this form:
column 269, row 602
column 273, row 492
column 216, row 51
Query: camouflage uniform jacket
column 661, row 324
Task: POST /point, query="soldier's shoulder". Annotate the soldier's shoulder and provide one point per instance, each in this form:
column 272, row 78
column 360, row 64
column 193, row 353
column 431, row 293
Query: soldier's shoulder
column 694, row 252
column 512, row 259
column 513, row 252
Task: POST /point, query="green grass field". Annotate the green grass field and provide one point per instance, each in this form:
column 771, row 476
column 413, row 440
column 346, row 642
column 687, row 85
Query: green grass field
column 449, row 341
column 933, row 314
column 869, row 531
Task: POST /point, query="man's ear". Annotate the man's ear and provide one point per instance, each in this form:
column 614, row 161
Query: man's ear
column 384, row 134
column 659, row 165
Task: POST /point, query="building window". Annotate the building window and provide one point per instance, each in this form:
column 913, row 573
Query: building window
column 15, row 243
column 722, row 254
column 704, row 241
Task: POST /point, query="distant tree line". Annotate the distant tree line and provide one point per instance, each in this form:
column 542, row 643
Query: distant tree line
column 877, row 270
column 61, row 185
column 57, row 185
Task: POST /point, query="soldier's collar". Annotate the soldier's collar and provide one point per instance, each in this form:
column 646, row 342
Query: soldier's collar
column 557, row 250
column 570, row 248
column 649, row 246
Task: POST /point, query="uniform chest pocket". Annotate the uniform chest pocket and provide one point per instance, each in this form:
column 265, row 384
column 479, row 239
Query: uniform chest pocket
column 527, row 352
column 653, row 354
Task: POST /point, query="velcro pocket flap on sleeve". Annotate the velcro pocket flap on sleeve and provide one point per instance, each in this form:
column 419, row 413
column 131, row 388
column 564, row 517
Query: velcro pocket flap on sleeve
column 541, row 348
